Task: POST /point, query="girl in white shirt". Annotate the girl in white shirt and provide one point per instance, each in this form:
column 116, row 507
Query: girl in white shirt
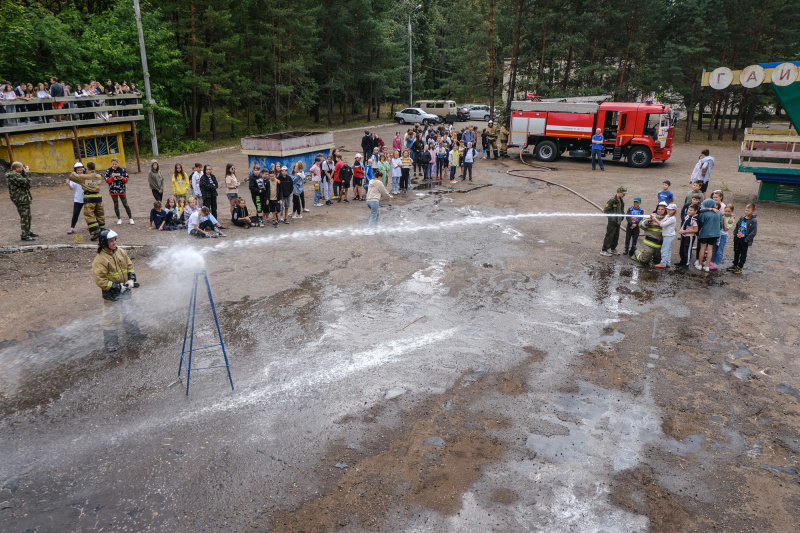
column 396, row 163
column 668, row 233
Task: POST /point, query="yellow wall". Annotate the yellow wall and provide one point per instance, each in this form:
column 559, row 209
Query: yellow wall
column 54, row 151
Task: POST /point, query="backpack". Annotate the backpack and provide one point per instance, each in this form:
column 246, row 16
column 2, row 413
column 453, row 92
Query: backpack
column 345, row 173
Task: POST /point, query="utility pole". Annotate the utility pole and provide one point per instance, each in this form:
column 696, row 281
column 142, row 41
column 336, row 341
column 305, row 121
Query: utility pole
column 410, row 67
column 491, row 59
column 410, row 61
column 149, row 96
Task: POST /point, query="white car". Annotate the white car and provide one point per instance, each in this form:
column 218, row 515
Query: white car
column 415, row 115
column 478, row 112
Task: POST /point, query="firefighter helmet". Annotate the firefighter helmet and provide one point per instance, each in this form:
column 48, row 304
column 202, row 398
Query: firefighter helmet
column 105, row 236
column 77, row 165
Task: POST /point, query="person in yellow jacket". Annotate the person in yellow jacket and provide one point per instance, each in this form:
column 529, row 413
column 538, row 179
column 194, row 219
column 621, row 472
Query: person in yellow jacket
column 504, row 140
column 112, row 271
column 180, row 182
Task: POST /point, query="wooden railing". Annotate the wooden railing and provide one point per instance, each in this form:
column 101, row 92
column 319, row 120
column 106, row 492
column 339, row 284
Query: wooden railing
column 36, row 114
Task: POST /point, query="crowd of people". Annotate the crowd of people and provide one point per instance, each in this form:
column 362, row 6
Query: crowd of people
column 703, row 225
column 23, row 97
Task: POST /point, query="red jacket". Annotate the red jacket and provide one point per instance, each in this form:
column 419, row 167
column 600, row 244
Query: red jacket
column 336, row 169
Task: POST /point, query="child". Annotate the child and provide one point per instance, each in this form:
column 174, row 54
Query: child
column 710, row 223
column 181, row 207
column 202, row 224
column 695, row 201
column 161, row 219
column 632, row 231
column 665, row 195
column 194, row 180
column 172, row 207
column 484, row 142
column 298, row 194
column 695, row 190
column 727, row 224
column 688, row 234
column 190, row 209
column 240, row 216
column 744, row 233
column 405, row 170
column 258, row 192
column 273, row 195
column 180, row 182
column 358, row 177
column 668, row 234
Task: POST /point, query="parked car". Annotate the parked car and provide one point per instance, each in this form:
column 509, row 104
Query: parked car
column 414, row 115
column 463, row 113
column 474, row 112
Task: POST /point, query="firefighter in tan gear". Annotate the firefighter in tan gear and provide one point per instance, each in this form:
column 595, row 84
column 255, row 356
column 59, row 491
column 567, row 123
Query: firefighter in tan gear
column 112, row 270
column 504, row 140
column 491, row 136
column 93, row 210
column 651, row 249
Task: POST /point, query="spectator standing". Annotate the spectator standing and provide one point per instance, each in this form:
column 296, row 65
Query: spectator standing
column 367, row 143
column 328, row 168
column 57, row 91
column 597, row 149
column 397, row 142
column 231, row 186
column 156, row 181
column 667, row 224
column 470, row 155
column 632, row 231
column 287, row 190
column 397, row 170
column 385, row 167
column 180, row 182
column 405, row 170
column 416, row 149
column 298, row 194
column 208, row 187
column 197, row 175
column 744, row 233
column 316, row 180
column 117, row 178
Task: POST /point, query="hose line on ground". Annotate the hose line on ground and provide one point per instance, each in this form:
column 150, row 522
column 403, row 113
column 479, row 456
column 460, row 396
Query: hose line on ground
column 541, row 168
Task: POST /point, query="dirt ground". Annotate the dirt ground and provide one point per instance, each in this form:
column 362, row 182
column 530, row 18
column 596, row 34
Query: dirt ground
column 466, row 369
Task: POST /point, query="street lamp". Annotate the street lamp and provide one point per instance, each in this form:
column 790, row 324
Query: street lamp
column 410, row 60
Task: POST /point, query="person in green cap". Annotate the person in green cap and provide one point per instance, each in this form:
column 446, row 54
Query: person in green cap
column 615, row 206
column 632, row 231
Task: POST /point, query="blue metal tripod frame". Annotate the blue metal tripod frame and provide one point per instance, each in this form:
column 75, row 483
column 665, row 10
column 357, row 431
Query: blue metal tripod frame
column 190, row 318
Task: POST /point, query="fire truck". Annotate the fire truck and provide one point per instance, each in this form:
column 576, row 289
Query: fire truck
column 639, row 133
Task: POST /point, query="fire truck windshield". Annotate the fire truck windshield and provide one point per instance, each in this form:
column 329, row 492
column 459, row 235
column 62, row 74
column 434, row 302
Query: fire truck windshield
column 657, row 126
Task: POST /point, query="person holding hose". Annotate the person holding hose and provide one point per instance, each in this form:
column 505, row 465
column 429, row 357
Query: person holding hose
column 504, row 140
column 112, row 271
column 615, row 206
column 93, row 210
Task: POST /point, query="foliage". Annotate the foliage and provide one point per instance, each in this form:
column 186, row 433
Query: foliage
column 249, row 66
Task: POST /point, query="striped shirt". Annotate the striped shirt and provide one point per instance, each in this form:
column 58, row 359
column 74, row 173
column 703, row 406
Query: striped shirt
column 407, row 162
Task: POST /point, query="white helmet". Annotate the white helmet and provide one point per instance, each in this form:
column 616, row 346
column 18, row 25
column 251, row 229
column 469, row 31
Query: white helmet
column 77, row 164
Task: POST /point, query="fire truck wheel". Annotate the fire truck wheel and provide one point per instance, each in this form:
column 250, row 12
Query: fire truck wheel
column 546, row 151
column 639, row 157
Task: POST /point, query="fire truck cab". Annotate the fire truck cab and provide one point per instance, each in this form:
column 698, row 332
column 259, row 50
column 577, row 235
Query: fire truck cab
column 639, row 133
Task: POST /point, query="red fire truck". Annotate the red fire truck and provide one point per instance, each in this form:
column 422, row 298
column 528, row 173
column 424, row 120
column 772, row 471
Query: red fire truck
column 640, row 133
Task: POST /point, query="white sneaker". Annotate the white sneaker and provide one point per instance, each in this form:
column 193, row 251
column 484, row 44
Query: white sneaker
column 131, row 222
column 307, row 210
column 605, row 254
column 119, row 222
column 706, row 269
column 697, row 265
column 296, row 216
column 316, row 205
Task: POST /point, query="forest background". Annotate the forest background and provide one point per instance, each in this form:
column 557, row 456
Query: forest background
column 229, row 68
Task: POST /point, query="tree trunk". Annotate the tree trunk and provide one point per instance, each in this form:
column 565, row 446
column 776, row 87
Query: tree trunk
column 689, row 116
column 738, row 118
column 369, row 104
column 714, row 109
column 515, row 36
column 544, row 38
column 195, row 117
column 724, row 115
column 700, row 109
column 568, row 68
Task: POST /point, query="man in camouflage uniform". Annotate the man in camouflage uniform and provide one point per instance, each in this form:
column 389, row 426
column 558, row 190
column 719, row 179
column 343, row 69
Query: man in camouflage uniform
column 19, row 187
column 491, row 136
column 615, row 206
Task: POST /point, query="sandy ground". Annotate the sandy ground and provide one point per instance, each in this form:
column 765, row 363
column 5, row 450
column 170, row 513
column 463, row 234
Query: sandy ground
column 464, row 369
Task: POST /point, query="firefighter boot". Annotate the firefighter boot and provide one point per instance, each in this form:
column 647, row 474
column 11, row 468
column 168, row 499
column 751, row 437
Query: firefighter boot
column 133, row 331
column 111, row 340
